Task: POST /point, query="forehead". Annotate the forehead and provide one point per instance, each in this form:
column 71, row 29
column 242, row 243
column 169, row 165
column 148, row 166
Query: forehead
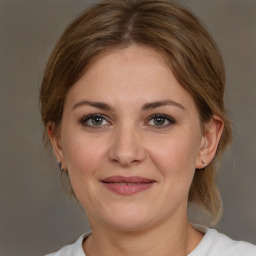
column 129, row 74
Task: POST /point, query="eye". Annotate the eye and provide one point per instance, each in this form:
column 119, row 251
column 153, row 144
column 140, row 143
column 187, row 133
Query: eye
column 161, row 121
column 95, row 121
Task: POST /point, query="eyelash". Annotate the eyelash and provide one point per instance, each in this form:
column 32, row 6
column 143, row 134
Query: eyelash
column 84, row 121
column 170, row 120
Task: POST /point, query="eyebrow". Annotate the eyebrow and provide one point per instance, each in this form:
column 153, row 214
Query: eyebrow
column 99, row 105
column 145, row 107
column 157, row 104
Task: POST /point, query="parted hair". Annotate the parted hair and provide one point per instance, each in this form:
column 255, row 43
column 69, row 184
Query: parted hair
column 177, row 34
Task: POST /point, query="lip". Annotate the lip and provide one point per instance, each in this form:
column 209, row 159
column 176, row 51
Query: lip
column 127, row 185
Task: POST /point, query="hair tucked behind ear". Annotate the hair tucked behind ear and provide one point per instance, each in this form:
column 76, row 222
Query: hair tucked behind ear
column 166, row 26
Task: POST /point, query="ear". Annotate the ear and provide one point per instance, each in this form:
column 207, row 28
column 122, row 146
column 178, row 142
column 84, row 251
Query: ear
column 209, row 142
column 55, row 139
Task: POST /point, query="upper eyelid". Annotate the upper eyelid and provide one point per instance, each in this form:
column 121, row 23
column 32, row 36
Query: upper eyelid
column 170, row 124
column 96, row 114
column 162, row 115
column 87, row 117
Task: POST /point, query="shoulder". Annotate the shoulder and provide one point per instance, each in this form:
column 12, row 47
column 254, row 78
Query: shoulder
column 72, row 249
column 215, row 244
column 226, row 246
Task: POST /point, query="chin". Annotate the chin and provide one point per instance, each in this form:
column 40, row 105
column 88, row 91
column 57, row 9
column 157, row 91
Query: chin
column 130, row 219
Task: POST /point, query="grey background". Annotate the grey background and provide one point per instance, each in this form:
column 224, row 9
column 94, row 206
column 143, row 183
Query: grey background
column 36, row 216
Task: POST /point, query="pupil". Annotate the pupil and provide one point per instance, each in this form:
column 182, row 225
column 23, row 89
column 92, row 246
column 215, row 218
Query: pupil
column 159, row 121
column 97, row 120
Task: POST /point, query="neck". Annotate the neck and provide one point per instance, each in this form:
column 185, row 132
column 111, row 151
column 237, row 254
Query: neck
column 171, row 237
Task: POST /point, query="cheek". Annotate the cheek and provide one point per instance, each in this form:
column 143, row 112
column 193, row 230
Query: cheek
column 176, row 155
column 83, row 154
column 84, row 157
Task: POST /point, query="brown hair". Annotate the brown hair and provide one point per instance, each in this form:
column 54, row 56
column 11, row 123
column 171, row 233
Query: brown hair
column 166, row 26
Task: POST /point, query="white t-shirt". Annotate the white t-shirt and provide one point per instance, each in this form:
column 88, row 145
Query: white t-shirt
column 212, row 244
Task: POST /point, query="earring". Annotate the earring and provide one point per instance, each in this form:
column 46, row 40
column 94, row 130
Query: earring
column 204, row 164
column 60, row 166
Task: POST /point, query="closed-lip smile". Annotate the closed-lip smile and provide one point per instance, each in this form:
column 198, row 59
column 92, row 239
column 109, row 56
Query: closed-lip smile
column 127, row 185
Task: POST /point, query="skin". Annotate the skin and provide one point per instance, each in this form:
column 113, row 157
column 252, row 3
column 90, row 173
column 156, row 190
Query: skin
column 128, row 141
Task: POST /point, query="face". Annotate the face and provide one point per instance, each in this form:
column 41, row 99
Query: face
column 130, row 139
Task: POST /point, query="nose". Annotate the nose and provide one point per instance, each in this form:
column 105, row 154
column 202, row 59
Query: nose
column 128, row 147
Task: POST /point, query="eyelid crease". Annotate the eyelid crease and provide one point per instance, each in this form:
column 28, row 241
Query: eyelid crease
column 171, row 119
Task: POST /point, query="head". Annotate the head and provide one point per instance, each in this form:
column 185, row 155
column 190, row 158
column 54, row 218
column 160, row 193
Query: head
column 168, row 29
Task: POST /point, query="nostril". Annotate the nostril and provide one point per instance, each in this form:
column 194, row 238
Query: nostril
column 125, row 163
column 127, row 148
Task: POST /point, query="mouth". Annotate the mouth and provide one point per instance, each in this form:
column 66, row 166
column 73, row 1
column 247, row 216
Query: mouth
column 127, row 185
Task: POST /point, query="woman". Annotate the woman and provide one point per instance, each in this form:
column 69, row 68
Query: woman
column 132, row 102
